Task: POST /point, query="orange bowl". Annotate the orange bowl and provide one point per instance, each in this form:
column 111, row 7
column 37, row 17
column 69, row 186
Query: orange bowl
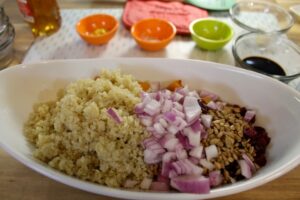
column 153, row 34
column 97, row 29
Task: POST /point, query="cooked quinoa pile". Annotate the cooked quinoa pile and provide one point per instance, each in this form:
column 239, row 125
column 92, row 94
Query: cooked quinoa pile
column 75, row 134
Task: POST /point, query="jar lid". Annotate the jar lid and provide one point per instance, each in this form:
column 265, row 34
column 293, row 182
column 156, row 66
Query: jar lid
column 257, row 16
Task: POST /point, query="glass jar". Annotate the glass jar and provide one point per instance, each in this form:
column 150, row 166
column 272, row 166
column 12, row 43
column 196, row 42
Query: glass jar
column 43, row 16
column 7, row 36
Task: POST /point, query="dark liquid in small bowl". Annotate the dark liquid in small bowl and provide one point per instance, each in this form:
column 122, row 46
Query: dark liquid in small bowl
column 264, row 65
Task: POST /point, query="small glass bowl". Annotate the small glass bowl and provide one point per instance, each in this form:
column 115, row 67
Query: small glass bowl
column 258, row 16
column 6, row 48
column 273, row 46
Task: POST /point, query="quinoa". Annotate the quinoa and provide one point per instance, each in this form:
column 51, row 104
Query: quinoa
column 75, row 135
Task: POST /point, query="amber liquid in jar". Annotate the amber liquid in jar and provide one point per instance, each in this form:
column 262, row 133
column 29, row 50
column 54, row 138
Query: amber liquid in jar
column 43, row 16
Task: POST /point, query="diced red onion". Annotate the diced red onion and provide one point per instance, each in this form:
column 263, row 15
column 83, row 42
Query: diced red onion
column 206, row 120
column 215, row 178
column 178, row 113
column 196, row 152
column 163, row 122
column 152, row 157
column 157, row 117
column 172, row 173
column 155, row 147
column 159, row 128
column 169, row 142
column 183, row 91
column 245, row 169
column 166, row 168
column 130, row 183
column 145, row 97
column 152, row 108
column 178, row 167
column 173, row 129
column 167, row 106
column 114, row 115
column 176, row 96
column 180, row 123
column 249, row 162
column 179, row 146
column 159, row 186
column 191, row 108
column 212, row 105
column 146, row 183
column 194, row 138
column 146, row 120
column 153, row 95
column 211, row 152
column 220, row 105
column 139, row 108
column 211, row 95
column 165, row 94
column 194, row 160
column 184, row 141
column 181, row 154
column 170, row 116
column 194, row 94
column 178, row 106
column 169, row 156
column 158, row 151
column 186, row 131
column 205, row 163
column 150, row 129
column 204, row 134
column 149, row 141
column 197, row 126
column 191, row 184
column 249, row 115
column 164, row 179
column 185, row 166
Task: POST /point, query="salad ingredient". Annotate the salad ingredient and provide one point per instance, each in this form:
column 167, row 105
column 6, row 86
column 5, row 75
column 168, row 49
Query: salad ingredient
column 191, row 183
column 114, row 114
column 99, row 31
column 79, row 133
column 174, row 85
column 201, row 135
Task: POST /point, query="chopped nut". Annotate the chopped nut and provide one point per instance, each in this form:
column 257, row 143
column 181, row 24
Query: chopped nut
column 214, row 141
column 229, row 142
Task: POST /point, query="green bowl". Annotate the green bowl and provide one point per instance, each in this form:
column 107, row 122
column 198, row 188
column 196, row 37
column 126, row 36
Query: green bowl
column 210, row 34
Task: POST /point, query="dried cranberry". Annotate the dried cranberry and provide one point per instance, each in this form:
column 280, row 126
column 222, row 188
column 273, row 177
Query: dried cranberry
column 259, row 129
column 239, row 177
column 259, row 149
column 250, row 133
column 252, row 121
column 232, row 168
column 260, row 159
column 243, row 111
column 263, row 139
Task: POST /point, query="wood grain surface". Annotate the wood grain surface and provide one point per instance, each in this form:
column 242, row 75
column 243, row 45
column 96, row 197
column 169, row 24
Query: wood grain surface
column 18, row 182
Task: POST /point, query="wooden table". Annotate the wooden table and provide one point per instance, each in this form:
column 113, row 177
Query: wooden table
column 18, row 182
